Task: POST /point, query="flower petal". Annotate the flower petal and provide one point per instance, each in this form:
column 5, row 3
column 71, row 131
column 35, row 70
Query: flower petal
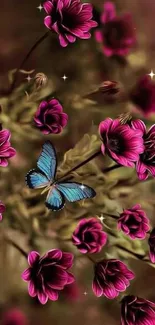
column 33, row 257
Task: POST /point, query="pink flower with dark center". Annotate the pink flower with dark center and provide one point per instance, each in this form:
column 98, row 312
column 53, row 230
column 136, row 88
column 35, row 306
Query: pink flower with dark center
column 89, row 236
column 134, row 222
column 143, row 96
column 152, row 246
column 50, row 118
column 2, row 209
column 14, row 316
column 49, row 274
column 111, row 277
column 121, row 142
column 137, row 311
column 70, row 19
column 146, row 162
column 6, row 151
column 117, row 34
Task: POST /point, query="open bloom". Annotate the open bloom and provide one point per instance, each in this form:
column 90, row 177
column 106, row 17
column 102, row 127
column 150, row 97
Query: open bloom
column 117, row 34
column 50, row 118
column 14, row 316
column 89, row 236
column 70, row 19
column 137, row 311
column 111, row 277
column 134, row 222
column 49, row 274
column 121, row 142
column 6, row 151
column 146, row 161
column 143, row 96
column 2, row 209
column 152, row 246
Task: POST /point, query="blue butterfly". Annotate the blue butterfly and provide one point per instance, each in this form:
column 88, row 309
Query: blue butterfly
column 58, row 192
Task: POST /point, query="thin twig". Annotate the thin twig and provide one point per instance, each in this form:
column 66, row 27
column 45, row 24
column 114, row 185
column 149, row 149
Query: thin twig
column 10, row 241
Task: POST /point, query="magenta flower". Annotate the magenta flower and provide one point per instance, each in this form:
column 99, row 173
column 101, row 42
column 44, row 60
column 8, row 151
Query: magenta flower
column 143, row 96
column 49, row 274
column 70, row 19
column 146, row 162
column 14, row 316
column 134, row 222
column 50, row 118
column 137, row 311
column 6, row 151
column 152, row 246
column 111, row 277
column 89, row 236
column 121, row 142
column 117, row 34
column 2, row 209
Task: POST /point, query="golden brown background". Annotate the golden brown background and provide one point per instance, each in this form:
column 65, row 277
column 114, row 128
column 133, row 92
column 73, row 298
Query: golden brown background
column 26, row 220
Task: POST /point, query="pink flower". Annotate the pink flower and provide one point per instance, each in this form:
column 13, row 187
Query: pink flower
column 137, row 311
column 49, row 274
column 134, row 222
column 6, row 151
column 117, row 33
column 2, row 209
column 89, row 236
column 70, row 19
column 121, row 142
column 111, row 277
column 146, row 162
column 14, row 316
column 50, row 118
column 152, row 245
column 143, row 96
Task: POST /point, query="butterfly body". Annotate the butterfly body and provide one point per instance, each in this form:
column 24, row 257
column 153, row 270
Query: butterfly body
column 58, row 192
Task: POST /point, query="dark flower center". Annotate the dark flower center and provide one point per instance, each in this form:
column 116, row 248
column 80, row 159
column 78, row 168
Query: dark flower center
column 116, row 144
column 69, row 20
column 132, row 222
column 50, row 119
column 114, row 33
column 88, row 237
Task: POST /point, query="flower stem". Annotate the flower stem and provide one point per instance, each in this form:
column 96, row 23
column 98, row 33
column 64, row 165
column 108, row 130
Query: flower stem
column 91, row 259
column 111, row 215
column 138, row 256
column 94, row 155
column 10, row 241
column 39, row 41
column 108, row 169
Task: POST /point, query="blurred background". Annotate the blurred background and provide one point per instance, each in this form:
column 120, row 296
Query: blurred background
column 26, row 220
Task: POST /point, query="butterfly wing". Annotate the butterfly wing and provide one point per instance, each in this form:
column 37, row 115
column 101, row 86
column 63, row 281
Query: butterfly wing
column 35, row 179
column 47, row 161
column 55, row 200
column 75, row 191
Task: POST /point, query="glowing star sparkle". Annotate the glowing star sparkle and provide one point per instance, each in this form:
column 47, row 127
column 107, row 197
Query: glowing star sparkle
column 82, row 187
column 40, row 7
column 151, row 74
column 101, row 218
column 64, row 77
column 85, row 293
column 28, row 78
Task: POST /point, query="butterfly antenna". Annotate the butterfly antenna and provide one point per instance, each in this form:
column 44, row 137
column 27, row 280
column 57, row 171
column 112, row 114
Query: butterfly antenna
column 45, row 190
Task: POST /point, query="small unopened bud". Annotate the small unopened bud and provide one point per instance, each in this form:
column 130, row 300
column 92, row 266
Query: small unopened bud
column 40, row 80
